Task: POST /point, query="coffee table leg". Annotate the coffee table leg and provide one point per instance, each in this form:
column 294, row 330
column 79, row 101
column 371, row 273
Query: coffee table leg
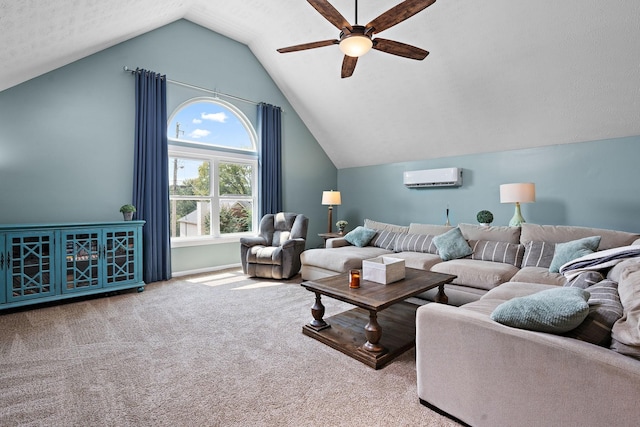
column 373, row 332
column 441, row 297
column 317, row 311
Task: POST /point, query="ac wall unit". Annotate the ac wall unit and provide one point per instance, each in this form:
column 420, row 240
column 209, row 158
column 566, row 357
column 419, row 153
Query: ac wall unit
column 446, row 177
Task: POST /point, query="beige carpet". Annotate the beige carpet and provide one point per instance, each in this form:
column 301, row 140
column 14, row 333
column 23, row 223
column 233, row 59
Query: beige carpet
column 207, row 350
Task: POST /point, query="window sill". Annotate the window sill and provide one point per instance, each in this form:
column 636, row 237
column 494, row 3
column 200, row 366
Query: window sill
column 204, row 241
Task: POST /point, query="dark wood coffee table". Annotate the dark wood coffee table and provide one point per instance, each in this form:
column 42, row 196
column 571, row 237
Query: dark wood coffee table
column 376, row 303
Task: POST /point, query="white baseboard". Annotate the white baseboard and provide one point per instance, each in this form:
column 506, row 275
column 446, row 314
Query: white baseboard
column 204, row 270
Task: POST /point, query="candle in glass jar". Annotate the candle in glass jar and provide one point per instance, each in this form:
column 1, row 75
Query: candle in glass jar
column 354, row 279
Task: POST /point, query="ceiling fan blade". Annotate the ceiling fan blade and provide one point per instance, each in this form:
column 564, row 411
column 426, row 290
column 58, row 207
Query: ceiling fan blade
column 398, row 13
column 330, row 13
column 348, row 65
column 305, row 46
column 400, row 49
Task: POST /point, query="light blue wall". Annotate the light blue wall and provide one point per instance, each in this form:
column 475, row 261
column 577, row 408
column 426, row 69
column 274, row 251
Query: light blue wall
column 593, row 184
column 66, row 138
column 66, row 152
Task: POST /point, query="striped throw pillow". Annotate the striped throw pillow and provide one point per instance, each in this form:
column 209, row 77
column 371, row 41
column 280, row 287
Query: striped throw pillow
column 605, row 309
column 416, row 243
column 385, row 240
column 538, row 254
column 504, row 252
column 585, row 279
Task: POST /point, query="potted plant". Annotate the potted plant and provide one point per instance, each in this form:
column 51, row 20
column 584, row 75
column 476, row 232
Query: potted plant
column 485, row 217
column 341, row 225
column 127, row 211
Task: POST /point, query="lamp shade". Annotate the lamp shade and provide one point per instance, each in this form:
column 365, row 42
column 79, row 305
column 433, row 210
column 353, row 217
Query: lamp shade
column 331, row 198
column 356, row 45
column 524, row 192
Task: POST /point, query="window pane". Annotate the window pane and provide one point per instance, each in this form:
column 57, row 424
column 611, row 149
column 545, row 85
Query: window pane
column 190, row 218
column 235, row 179
column 235, row 216
column 189, row 177
column 209, row 122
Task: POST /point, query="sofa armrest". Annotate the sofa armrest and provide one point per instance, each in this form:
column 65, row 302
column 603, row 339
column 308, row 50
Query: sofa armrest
column 485, row 373
column 299, row 242
column 250, row 241
column 336, row 242
column 246, row 243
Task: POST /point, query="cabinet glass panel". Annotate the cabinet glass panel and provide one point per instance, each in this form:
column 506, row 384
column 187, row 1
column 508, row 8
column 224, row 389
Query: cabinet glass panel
column 30, row 268
column 121, row 256
column 82, row 258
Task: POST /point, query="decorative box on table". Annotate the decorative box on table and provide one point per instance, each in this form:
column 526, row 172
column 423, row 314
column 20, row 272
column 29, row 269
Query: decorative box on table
column 383, row 269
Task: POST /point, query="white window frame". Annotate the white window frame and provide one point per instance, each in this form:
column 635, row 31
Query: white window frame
column 216, row 155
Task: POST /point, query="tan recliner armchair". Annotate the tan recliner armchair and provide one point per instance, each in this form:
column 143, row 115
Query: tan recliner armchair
column 275, row 252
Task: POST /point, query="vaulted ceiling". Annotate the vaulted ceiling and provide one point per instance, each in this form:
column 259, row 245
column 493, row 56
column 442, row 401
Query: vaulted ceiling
column 501, row 74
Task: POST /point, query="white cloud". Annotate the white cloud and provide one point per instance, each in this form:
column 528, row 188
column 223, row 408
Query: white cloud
column 196, row 121
column 199, row 133
column 220, row 117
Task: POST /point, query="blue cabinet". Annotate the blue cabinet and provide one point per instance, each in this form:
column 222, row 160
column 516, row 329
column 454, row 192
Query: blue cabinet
column 40, row 263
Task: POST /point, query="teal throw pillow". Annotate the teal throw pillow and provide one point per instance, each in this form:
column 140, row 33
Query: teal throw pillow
column 569, row 251
column 360, row 236
column 452, row 245
column 553, row 310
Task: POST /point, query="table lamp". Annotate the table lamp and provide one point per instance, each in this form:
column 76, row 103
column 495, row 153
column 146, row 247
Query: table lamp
column 524, row 192
column 331, row 198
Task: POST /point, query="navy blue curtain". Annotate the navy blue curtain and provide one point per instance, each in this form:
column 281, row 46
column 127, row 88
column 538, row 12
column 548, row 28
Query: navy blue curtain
column 151, row 174
column 270, row 131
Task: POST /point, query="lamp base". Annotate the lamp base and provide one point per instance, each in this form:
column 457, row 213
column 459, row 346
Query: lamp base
column 517, row 219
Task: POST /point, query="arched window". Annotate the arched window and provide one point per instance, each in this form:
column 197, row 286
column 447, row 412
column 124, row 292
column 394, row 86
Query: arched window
column 211, row 122
column 213, row 170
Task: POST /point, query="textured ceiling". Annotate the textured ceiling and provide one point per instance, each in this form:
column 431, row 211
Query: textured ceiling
column 501, row 74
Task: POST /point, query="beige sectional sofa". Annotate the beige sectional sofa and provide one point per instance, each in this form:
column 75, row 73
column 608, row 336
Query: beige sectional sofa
column 477, row 273
column 485, row 373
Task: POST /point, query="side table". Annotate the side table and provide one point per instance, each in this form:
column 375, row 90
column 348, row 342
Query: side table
column 326, row 236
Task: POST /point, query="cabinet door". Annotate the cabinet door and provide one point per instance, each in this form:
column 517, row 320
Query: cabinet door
column 81, row 266
column 3, row 271
column 121, row 256
column 29, row 265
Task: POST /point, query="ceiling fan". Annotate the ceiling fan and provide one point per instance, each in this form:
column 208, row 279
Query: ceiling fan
column 356, row 40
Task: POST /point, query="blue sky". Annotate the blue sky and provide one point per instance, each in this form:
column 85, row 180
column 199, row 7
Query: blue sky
column 209, row 123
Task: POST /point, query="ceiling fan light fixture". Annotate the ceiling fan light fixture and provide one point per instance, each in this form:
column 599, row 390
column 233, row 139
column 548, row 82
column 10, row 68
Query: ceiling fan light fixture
column 355, row 45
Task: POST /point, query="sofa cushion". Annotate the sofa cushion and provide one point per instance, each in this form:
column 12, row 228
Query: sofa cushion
column 451, row 245
column 568, row 251
column 416, row 243
column 385, row 239
column 625, row 334
column 478, row 274
column 340, row 259
column 383, row 226
column 553, row 310
column 538, row 254
column 419, row 260
column 513, row 289
column 624, row 267
column 482, row 232
column 565, row 233
column 539, row 275
column 486, row 250
column 605, row 309
column 483, row 306
column 360, row 236
column 432, row 229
